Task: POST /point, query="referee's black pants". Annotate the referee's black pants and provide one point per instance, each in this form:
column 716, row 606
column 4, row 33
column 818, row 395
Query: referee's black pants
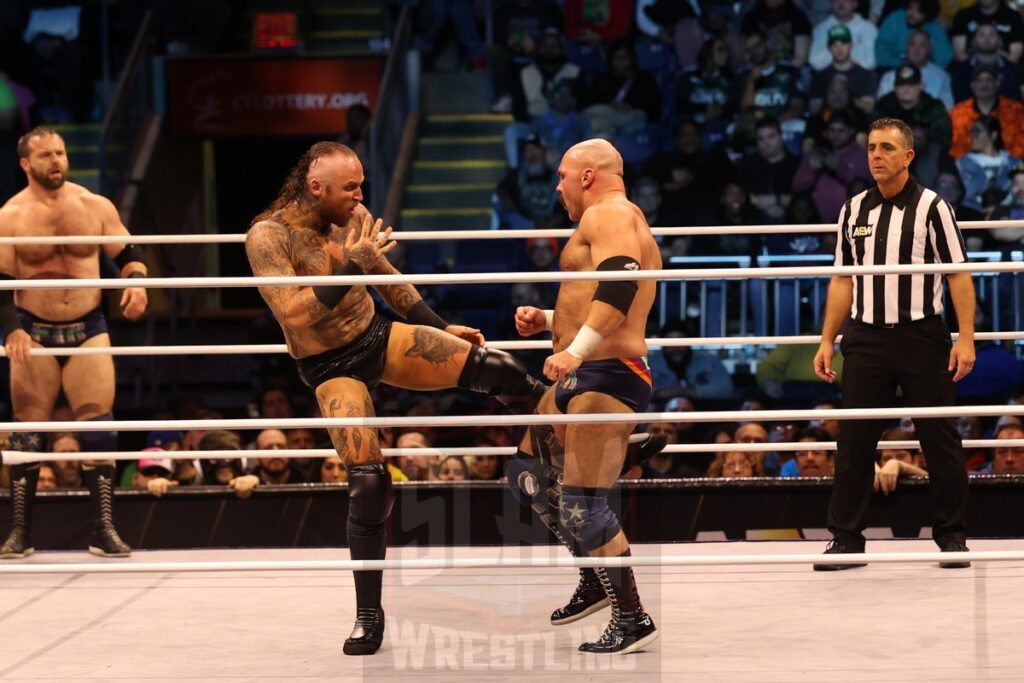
column 876, row 360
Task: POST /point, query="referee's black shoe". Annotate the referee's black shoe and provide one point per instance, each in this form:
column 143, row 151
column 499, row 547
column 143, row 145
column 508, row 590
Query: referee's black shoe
column 838, row 547
column 954, row 546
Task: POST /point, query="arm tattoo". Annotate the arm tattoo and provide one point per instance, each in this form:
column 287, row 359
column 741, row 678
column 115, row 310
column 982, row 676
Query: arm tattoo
column 433, row 346
column 399, row 297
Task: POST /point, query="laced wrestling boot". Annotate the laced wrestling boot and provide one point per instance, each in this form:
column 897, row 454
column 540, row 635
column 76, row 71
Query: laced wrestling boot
column 23, row 493
column 588, row 598
column 630, row 629
column 105, row 540
column 367, row 633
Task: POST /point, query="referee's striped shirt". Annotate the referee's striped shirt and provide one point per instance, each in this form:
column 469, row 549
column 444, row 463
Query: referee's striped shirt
column 914, row 226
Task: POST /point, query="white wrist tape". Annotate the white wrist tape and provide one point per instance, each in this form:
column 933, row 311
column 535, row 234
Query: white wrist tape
column 549, row 319
column 587, row 339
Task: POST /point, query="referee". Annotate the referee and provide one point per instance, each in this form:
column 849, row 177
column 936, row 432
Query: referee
column 897, row 338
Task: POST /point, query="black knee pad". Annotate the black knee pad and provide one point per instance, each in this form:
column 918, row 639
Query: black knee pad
column 99, row 441
column 499, row 374
column 369, row 497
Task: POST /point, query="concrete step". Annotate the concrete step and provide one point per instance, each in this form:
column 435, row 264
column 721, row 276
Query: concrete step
column 80, row 134
column 364, row 19
column 431, row 172
column 455, row 92
column 349, row 47
column 474, row 218
column 448, row 195
column 88, row 178
column 454, row 149
column 455, row 125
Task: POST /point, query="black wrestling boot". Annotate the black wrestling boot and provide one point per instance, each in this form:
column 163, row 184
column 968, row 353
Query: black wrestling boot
column 23, row 493
column 630, row 629
column 367, row 633
column 105, row 541
column 588, row 598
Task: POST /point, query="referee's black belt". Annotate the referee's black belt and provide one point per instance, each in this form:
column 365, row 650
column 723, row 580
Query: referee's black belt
column 889, row 326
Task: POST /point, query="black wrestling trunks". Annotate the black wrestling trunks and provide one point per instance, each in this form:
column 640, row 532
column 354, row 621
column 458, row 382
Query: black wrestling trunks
column 362, row 358
column 63, row 334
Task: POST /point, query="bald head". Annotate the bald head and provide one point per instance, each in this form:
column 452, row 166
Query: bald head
column 598, row 153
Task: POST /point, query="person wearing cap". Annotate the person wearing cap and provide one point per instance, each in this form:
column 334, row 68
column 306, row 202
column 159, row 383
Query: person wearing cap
column 988, row 45
column 825, row 171
column 862, row 82
column 896, row 29
column 987, row 100
column 935, row 79
column 927, row 117
column 862, row 32
column 995, row 12
column 526, row 195
column 154, row 473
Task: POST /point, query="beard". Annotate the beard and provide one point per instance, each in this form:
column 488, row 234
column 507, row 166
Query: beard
column 46, row 181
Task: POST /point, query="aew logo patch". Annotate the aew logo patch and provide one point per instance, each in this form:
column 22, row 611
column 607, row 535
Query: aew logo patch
column 569, row 383
column 863, row 230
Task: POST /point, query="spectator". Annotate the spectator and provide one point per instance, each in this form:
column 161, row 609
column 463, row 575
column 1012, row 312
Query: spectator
column 767, row 174
column 518, row 26
column 987, row 100
column 1006, row 459
column 705, row 91
column 997, row 372
column 861, row 30
column 825, row 171
column 227, row 471
column 47, row 477
column 768, row 88
column 154, row 474
column 646, row 194
column 274, row 470
column 416, row 467
column 785, row 27
column 69, row 472
column 969, row 427
column 987, row 50
column 813, row 462
column 623, row 100
column 486, row 467
column 358, row 122
column 787, row 372
column 895, row 31
column 733, row 464
column 830, row 425
column 453, row 468
column 527, row 195
column 60, row 62
column 690, row 177
column 699, row 21
column 666, row 465
column 985, row 169
column 434, row 16
column 684, row 371
column 936, row 79
column 332, row 471
column 1011, row 208
column 891, row 464
column 949, row 186
column 274, row 404
column 862, row 81
column 925, row 115
column 549, row 67
column 838, row 97
column 300, row 440
column 561, row 126
column 167, row 440
column 996, row 13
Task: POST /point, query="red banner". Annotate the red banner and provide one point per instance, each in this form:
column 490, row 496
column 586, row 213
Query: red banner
column 219, row 98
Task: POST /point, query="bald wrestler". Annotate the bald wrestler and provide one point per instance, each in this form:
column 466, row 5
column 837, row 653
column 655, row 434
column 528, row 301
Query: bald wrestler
column 61, row 318
column 599, row 366
column 343, row 347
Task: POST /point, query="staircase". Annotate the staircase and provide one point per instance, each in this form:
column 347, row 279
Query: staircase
column 353, row 28
column 83, row 143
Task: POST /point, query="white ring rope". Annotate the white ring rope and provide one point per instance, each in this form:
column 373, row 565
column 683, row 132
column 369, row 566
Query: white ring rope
column 134, row 566
column 261, row 349
column 441, row 421
column 504, row 278
column 20, row 457
column 414, row 235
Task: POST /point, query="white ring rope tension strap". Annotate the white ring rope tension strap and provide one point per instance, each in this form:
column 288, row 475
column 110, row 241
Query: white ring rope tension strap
column 441, row 421
column 20, row 457
column 504, row 278
column 511, row 345
column 416, row 235
column 134, row 566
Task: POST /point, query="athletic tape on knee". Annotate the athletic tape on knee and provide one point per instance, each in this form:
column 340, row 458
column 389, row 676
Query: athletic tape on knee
column 99, row 441
column 585, row 515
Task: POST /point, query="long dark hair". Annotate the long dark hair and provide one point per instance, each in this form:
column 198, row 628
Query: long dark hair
column 295, row 188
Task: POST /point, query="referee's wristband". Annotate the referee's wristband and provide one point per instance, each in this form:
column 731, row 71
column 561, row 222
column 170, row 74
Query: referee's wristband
column 549, row 319
column 587, row 339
